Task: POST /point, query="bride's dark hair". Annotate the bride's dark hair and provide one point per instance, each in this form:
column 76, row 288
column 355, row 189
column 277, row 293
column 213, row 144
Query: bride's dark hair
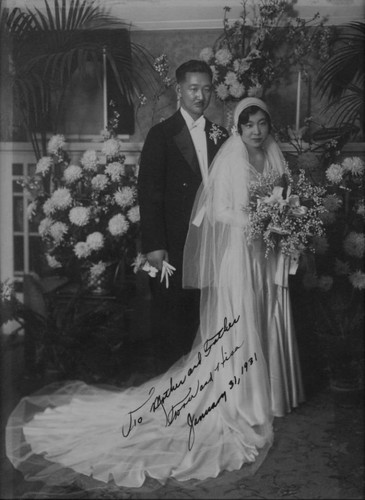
column 251, row 110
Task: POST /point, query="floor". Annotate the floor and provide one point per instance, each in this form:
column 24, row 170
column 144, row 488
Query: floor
column 317, row 453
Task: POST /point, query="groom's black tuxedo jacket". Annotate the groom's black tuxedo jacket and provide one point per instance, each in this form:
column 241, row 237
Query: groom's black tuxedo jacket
column 169, row 177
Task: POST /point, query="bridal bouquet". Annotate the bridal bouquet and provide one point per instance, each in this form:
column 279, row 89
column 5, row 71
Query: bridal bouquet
column 285, row 213
column 87, row 213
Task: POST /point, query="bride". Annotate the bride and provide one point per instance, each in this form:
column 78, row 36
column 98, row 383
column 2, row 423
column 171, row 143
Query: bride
column 213, row 409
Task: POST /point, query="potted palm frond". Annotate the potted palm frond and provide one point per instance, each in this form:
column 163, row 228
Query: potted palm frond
column 341, row 79
column 47, row 47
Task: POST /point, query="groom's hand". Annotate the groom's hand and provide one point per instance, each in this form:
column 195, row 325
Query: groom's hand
column 156, row 258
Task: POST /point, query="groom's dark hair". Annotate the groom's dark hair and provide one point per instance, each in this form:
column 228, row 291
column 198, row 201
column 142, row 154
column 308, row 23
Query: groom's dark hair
column 192, row 66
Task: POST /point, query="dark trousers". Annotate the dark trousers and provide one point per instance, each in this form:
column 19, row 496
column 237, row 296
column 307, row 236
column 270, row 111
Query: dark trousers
column 174, row 321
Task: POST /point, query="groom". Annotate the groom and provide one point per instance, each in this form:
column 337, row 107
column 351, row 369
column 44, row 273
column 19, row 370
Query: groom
column 174, row 161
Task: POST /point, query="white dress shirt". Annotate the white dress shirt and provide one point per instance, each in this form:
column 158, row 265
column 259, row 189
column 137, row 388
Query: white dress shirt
column 197, row 132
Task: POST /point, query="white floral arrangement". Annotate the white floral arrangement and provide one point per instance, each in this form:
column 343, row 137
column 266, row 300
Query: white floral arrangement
column 285, row 213
column 260, row 46
column 87, row 213
column 343, row 249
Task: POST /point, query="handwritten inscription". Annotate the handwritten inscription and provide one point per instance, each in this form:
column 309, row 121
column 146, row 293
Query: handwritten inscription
column 172, row 410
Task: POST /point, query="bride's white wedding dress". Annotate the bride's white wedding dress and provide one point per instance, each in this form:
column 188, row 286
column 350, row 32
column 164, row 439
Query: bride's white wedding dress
column 211, row 411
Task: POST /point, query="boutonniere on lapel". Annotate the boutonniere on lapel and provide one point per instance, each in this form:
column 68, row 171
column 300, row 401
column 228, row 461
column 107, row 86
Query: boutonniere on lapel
column 215, row 133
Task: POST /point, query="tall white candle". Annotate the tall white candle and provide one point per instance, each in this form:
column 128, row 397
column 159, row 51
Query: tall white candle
column 297, row 116
column 105, row 98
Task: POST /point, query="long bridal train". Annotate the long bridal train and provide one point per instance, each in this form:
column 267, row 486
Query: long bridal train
column 210, row 412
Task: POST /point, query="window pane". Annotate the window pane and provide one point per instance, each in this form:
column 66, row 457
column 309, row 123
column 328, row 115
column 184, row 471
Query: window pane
column 17, row 188
column 18, row 169
column 18, row 214
column 35, row 254
column 18, row 253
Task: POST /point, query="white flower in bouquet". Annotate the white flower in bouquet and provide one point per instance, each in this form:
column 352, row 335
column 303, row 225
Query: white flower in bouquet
column 82, row 250
column 53, row 262
column 360, row 210
column 96, row 270
column 56, row 143
column 133, row 214
column 118, row 225
column 95, row 241
column 125, row 197
column 115, row 170
column 100, row 182
column 90, row 160
column 354, row 244
column 43, row 165
column 72, row 173
column 334, row 173
column 355, row 165
column 57, row 231
column 61, row 199
column 357, row 280
column 79, row 216
column 112, row 148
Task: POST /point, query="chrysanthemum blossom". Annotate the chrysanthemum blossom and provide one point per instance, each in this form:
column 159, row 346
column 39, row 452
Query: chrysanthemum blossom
column 237, row 90
column 134, row 214
column 79, row 216
column 332, row 202
column 61, row 198
column 112, row 147
column 125, row 196
column 325, row 283
column 57, row 231
column 82, row 250
column 360, row 210
column 223, row 57
column 97, row 269
column 56, row 143
column 90, row 160
column 355, row 165
column 53, row 262
column 334, row 173
column 100, row 182
column 354, row 244
column 230, row 78
column 43, row 165
column 118, row 225
column 115, row 170
column 48, row 207
column 44, row 225
column 72, row 174
column 357, row 279
column 95, row 241
column 241, row 65
column 222, row 91
column 206, row 54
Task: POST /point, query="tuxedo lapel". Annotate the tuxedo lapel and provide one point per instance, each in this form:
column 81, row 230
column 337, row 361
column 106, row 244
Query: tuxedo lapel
column 184, row 142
